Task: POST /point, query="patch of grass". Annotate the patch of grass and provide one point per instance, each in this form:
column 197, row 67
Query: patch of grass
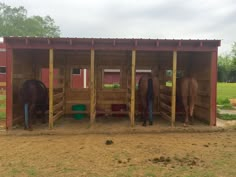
column 31, row 171
column 111, row 86
column 14, row 172
column 150, row 174
column 129, row 172
column 223, row 101
column 226, row 107
column 2, row 97
column 169, row 84
column 227, row 116
column 66, row 170
column 226, row 90
column 2, row 106
column 197, row 173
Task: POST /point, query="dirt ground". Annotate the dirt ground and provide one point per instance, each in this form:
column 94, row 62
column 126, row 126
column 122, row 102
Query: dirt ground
column 101, row 150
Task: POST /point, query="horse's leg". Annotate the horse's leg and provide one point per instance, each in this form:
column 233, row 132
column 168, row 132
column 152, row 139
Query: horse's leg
column 191, row 108
column 143, row 110
column 145, row 115
column 186, row 108
column 141, row 113
column 31, row 115
column 150, row 111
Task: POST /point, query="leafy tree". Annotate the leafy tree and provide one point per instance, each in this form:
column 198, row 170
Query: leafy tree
column 227, row 66
column 232, row 74
column 233, row 51
column 14, row 22
column 224, row 68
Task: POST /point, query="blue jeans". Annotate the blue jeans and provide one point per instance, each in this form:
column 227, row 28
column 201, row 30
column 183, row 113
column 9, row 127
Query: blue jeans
column 150, row 102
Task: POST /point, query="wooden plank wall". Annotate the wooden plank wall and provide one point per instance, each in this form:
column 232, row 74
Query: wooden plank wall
column 73, row 96
column 201, row 62
column 107, row 96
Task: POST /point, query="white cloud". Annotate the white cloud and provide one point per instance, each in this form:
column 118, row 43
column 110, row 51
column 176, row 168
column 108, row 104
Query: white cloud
column 178, row 19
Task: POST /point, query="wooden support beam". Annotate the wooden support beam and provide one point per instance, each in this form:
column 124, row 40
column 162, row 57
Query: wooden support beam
column 58, row 115
column 58, row 106
column 92, row 88
column 110, row 102
column 165, row 98
column 165, row 116
column 78, row 102
column 9, row 88
column 173, row 102
column 78, row 112
column 58, row 95
column 165, row 107
column 112, row 112
column 51, row 88
column 133, row 73
column 213, row 88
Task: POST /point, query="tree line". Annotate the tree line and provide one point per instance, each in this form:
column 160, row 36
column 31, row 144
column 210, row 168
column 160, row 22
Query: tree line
column 227, row 66
column 14, row 21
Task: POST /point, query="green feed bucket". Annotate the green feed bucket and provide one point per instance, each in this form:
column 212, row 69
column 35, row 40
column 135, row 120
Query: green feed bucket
column 79, row 107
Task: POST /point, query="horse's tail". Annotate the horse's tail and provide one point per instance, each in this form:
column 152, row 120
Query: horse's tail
column 150, row 93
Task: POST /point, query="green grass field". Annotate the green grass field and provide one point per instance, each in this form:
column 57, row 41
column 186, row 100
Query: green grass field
column 226, row 90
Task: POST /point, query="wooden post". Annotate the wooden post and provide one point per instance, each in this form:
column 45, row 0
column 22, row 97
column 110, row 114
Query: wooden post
column 9, row 86
column 51, row 88
column 173, row 101
column 133, row 87
column 213, row 88
column 92, row 88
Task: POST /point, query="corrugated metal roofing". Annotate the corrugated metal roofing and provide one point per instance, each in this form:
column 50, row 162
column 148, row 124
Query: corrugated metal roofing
column 112, row 43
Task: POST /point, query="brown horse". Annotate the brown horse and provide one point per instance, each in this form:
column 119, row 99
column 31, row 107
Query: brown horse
column 187, row 88
column 148, row 88
column 33, row 97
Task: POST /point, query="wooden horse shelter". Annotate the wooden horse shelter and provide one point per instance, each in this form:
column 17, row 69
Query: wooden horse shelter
column 61, row 58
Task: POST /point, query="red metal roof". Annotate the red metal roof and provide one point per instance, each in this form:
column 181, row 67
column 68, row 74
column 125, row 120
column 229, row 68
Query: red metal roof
column 112, row 44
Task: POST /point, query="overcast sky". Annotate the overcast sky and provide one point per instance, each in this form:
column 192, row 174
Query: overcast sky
column 162, row 19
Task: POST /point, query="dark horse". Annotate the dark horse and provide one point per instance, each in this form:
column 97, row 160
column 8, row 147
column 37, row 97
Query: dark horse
column 148, row 88
column 34, row 97
column 187, row 90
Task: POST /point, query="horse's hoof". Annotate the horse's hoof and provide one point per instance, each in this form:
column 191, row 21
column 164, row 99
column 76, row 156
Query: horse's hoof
column 151, row 123
column 30, row 129
column 144, row 124
column 185, row 124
